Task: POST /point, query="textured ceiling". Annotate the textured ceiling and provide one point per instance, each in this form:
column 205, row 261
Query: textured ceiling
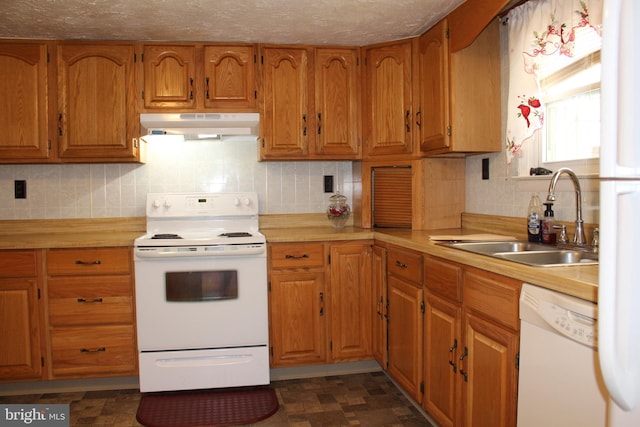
column 339, row 22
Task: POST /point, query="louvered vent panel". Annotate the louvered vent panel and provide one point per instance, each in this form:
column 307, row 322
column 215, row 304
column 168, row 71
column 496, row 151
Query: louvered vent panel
column 392, row 197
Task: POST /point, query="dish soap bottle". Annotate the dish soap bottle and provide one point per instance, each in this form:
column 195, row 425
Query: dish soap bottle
column 533, row 219
column 548, row 232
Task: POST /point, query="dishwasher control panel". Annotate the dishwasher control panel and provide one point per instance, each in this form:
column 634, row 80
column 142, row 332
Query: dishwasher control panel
column 574, row 325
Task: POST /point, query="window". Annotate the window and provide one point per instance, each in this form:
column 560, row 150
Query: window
column 554, row 85
column 570, row 89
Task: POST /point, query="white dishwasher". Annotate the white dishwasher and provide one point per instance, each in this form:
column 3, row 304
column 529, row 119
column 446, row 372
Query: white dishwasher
column 560, row 384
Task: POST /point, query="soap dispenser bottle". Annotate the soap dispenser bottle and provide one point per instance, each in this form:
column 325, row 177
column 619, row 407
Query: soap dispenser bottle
column 548, row 231
column 534, row 217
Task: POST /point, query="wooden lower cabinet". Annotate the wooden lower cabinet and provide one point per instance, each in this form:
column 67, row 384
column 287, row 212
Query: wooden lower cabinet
column 91, row 313
column 405, row 319
column 350, row 310
column 471, row 345
column 379, row 302
column 297, row 318
column 319, row 303
column 21, row 315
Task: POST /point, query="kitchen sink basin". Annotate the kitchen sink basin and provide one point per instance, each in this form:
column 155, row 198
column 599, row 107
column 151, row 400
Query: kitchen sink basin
column 487, row 248
column 534, row 254
column 550, row 258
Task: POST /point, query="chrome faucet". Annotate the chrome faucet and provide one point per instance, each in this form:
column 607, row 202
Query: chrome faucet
column 579, row 238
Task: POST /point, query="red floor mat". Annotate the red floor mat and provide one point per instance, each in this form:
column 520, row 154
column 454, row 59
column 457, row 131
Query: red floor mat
column 224, row 407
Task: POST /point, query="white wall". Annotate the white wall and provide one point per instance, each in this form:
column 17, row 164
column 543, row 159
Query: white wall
column 119, row 190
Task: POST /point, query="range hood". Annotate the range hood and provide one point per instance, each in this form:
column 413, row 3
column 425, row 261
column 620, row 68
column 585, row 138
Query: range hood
column 191, row 124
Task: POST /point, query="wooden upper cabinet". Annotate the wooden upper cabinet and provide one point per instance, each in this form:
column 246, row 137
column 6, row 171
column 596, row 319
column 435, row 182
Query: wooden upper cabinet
column 196, row 77
column 336, row 102
column 458, row 94
column 387, row 120
column 97, row 113
column 431, row 88
column 229, row 77
column 169, row 76
column 286, row 121
column 23, row 90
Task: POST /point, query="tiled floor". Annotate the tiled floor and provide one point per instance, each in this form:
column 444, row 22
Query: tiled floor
column 368, row 399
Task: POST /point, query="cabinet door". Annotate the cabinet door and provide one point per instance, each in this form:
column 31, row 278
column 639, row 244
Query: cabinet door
column 169, row 76
column 20, row 335
column 97, row 118
column 405, row 335
column 350, row 295
column 229, row 77
column 379, row 285
column 488, row 368
column 442, row 349
column 387, row 106
column 23, row 89
column 297, row 318
column 286, row 121
column 336, row 102
column 432, row 88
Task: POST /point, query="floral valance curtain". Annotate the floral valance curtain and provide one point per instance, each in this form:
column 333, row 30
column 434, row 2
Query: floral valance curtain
column 540, row 30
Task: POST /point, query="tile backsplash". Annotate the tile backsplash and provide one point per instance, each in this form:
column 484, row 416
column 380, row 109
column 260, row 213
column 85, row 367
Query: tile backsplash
column 119, row 190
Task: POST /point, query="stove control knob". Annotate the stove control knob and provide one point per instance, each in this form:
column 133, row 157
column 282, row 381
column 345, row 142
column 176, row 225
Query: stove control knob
column 246, row 201
column 155, row 204
column 167, row 204
column 236, row 202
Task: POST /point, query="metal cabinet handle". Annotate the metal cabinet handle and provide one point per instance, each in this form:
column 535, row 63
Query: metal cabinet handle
column 452, row 355
column 464, row 373
column 407, row 120
column 96, row 262
column 93, row 350
column 400, row 264
column 321, row 303
column 319, row 123
column 303, row 256
column 419, row 119
column 304, row 125
column 191, row 88
column 90, row 301
column 206, row 91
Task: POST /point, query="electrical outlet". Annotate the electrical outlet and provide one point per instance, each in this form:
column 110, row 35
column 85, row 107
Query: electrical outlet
column 328, row 183
column 485, row 168
column 20, row 189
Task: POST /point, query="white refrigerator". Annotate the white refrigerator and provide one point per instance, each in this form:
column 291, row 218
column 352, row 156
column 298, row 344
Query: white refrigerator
column 619, row 281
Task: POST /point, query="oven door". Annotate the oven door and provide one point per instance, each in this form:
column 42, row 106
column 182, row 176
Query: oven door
column 190, row 303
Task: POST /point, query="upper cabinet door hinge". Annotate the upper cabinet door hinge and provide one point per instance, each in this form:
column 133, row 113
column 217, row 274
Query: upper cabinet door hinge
column 39, row 296
column 329, row 259
column 255, row 58
column 422, row 308
column 421, row 387
column 446, row 33
column 448, row 130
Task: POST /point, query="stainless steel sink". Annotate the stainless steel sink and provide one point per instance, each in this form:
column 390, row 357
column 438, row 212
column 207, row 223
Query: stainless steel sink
column 550, row 258
column 534, row 254
column 487, row 248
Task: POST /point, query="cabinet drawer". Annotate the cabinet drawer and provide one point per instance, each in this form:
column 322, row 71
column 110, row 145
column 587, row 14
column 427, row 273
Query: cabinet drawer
column 297, row 255
column 96, row 351
column 443, row 278
column 90, row 300
column 493, row 295
column 89, row 261
column 405, row 264
column 18, row 264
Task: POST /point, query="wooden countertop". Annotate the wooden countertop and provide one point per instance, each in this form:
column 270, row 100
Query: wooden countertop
column 579, row 281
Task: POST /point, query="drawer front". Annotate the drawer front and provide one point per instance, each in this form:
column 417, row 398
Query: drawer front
column 296, row 255
column 18, row 264
column 443, row 278
column 405, row 264
column 96, row 351
column 90, row 300
column 88, row 261
column 494, row 296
